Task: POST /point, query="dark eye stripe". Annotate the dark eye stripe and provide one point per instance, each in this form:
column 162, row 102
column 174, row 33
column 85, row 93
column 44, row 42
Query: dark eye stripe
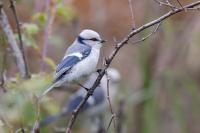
column 93, row 39
column 81, row 39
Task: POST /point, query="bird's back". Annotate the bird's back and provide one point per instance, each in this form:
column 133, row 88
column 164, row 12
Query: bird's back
column 76, row 47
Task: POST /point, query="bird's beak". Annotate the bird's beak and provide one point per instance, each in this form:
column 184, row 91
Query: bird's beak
column 103, row 41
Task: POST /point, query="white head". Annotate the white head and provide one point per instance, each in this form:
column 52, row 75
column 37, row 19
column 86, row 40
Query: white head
column 91, row 38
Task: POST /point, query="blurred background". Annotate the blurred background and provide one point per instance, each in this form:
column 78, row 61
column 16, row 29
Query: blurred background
column 160, row 77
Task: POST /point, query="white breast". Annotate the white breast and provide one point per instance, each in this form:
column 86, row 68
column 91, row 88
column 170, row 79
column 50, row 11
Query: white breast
column 84, row 67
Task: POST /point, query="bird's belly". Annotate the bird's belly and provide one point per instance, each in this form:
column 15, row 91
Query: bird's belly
column 84, row 68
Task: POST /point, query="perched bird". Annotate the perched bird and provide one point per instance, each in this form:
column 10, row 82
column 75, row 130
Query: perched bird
column 80, row 59
column 96, row 104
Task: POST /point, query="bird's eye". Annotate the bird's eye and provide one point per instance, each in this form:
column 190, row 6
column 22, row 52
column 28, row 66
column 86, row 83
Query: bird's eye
column 94, row 39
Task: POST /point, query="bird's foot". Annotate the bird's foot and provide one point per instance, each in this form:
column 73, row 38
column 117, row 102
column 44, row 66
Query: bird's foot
column 99, row 70
column 83, row 87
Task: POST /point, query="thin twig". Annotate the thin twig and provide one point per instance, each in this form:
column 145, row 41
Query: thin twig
column 120, row 116
column 168, row 4
column 12, row 42
column 50, row 13
column 2, row 72
column 132, row 15
column 109, row 102
column 36, row 128
column 46, row 34
column 12, row 6
column 115, row 51
column 194, row 9
column 3, row 63
column 146, row 37
column 180, row 4
column 111, row 119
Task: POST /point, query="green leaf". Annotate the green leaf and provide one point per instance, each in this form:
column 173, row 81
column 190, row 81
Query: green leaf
column 30, row 28
column 64, row 11
column 39, row 17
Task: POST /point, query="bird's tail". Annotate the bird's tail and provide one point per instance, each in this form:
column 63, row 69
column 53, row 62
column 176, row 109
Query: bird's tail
column 46, row 121
column 47, row 90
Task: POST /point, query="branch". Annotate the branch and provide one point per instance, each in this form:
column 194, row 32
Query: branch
column 116, row 50
column 132, row 15
column 120, row 116
column 146, row 37
column 180, row 3
column 12, row 6
column 2, row 71
column 13, row 44
column 167, row 3
column 111, row 119
column 50, row 16
column 36, row 127
column 110, row 105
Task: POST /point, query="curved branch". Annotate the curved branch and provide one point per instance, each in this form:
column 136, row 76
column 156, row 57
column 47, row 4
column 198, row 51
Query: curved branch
column 116, row 50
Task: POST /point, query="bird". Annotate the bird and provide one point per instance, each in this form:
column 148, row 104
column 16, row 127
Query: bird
column 80, row 59
column 96, row 103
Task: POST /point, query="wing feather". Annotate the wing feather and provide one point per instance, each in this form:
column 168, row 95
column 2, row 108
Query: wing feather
column 68, row 62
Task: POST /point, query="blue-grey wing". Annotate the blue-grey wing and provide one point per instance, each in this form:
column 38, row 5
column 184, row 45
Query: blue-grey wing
column 68, row 62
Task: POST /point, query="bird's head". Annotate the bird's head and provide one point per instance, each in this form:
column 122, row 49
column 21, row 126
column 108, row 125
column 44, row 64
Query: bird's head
column 91, row 38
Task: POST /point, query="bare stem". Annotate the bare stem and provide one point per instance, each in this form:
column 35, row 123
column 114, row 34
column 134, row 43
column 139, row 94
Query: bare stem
column 167, row 3
column 111, row 119
column 132, row 15
column 109, row 102
column 50, row 13
column 36, row 128
column 149, row 35
column 12, row 6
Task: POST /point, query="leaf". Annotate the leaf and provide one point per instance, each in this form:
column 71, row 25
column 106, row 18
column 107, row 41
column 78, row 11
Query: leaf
column 64, row 11
column 39, row 17
column 30, row 28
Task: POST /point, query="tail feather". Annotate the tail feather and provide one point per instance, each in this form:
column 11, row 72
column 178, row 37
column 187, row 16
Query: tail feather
column 47, row 90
